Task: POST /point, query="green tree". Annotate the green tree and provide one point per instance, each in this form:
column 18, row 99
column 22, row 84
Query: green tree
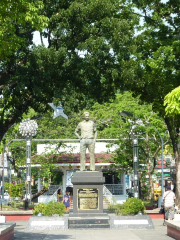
column 156, row 63
column 17, row 20
column 110, row 124
column 142, row 123
column 172, row 102
column 89, row 43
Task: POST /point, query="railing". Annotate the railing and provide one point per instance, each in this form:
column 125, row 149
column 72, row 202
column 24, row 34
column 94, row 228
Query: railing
column 113, row 189
column 52, row 190
column 108, row 189
column 106, row 192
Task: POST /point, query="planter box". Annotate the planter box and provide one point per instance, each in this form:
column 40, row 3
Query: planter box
column 17, row 215
column 131, row 222
column 7, row 231
column 149, row 207
column 173, row 229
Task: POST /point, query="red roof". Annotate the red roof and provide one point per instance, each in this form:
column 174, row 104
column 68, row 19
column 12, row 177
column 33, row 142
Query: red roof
column 75, row 158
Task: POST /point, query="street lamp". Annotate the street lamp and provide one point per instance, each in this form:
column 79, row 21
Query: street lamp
column 135, row 167
column 128, row 114
column 162, row 163
column 28, row 128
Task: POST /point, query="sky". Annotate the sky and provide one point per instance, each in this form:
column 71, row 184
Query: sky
column 37, row 40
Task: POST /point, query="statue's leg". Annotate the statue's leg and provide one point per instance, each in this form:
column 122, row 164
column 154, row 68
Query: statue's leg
column 82, row 155
column 91, row 155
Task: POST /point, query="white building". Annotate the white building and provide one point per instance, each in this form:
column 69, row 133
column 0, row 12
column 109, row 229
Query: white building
column 69, row 162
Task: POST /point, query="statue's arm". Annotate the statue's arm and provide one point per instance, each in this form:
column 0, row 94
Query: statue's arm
column 76, row 132
column 95, row 133
column 95, row 136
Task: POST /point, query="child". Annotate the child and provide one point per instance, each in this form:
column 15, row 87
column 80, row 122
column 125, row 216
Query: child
column 67, row 201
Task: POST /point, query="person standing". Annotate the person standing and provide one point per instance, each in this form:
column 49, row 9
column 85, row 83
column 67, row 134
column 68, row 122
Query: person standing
column 59, row 196
column 87, row 140
column 169, row 198
column 67, row 201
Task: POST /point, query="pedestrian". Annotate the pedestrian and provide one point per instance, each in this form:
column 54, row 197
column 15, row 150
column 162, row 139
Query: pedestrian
column 67, row 201
column 168, row 198
column 59, row 196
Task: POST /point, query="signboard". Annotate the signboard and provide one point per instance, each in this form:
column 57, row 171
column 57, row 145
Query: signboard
column 127, row 181
column 88, row 199
column 5, row 161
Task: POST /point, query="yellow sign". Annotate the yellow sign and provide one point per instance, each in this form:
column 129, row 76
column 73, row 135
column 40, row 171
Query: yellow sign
column 88, row 199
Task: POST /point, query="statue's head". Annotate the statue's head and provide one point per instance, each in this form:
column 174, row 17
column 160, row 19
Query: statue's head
column 86, row 115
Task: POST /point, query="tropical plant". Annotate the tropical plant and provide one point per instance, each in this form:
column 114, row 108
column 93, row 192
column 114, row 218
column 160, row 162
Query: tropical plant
column 49, row 209
column 125, row 118
column 14, row 190
column 132, row 206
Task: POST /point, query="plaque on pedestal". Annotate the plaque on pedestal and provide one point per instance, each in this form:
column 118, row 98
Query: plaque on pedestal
column 88, row 192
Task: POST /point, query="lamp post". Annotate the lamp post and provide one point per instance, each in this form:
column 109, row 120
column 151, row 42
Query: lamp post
column 128, row 114
column 135, row 167
column 162, row 163
column 28, row 128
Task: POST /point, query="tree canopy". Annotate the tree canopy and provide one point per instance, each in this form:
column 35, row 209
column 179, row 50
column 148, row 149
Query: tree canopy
column 89, row 42
column 111, row 123
column 96, row 49
column 17, row 20
column 156, row 63
column 172, row 102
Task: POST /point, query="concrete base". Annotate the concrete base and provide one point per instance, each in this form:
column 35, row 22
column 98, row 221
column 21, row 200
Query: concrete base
column 131, row 222
column 17, row 215
column 2, row 219
column 7, row 231
column 47, row 223
column 173, row 229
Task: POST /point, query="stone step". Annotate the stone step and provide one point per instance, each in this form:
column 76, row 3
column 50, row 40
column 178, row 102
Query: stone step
column 88, row 222
column 92, row 226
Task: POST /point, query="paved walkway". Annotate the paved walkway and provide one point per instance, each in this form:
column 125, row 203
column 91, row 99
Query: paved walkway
column 159, row 233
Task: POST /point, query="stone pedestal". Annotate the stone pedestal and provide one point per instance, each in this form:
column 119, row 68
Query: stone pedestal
column 88, row 201
column 88, row 192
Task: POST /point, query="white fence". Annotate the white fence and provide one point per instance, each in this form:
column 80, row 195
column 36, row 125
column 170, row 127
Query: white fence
column 114, row 193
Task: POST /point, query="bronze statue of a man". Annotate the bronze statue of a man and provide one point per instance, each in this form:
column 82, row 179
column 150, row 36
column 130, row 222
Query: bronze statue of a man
column 87, row 140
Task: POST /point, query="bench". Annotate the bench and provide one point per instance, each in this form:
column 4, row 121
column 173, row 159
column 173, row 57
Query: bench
column 173, row 228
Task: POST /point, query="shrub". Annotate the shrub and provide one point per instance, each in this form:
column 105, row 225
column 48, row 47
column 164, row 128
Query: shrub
column 50, row 208
column 14, row 190
column 111, row 207
column 131, row 207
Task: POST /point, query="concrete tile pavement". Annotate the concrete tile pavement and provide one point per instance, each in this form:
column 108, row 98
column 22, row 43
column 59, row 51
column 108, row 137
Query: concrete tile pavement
column 159, row 233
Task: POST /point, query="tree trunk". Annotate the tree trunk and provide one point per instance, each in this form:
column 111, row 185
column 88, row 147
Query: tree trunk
column 149, row 172
column 177, row 184
column 36, row 195
column 174, row 135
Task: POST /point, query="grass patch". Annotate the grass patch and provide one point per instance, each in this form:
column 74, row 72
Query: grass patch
column 8, row 208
